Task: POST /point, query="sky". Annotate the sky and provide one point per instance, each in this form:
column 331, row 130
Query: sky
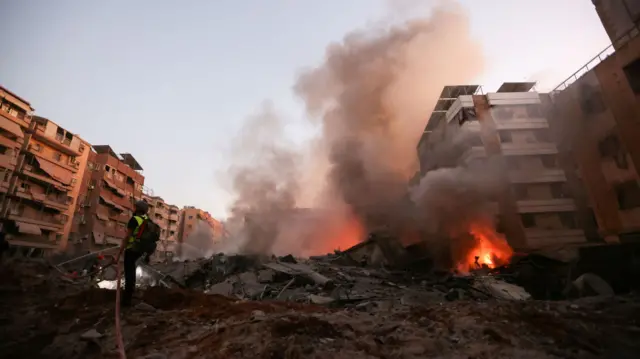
column 172, row 81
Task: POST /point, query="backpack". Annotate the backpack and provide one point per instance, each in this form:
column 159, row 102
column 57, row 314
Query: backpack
column 147, row 237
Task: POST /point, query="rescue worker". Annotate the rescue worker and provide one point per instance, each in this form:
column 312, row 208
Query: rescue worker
column 131, row 256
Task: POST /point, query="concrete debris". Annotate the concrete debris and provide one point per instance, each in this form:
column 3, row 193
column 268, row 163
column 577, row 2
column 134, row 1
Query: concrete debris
column 145, row 307
column 590, row 284
column 367, row 313
column 91, row 334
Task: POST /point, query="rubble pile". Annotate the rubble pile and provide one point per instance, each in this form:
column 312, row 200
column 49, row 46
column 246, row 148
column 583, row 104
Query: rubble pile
column 335, row 306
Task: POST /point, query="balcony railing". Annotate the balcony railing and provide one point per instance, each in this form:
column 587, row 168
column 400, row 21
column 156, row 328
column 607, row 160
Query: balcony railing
column 608, row 51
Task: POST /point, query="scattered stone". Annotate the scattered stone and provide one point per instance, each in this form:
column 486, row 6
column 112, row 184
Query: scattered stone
column 224, row 288
column 258, row 315
column 266, row 276
column 288, row 259
column 156, row 356
column 91, row 334
column 145, row 307
column 321, row 300
column 501, row 290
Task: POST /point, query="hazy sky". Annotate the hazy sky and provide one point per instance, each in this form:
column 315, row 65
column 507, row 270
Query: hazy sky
column 172, row 81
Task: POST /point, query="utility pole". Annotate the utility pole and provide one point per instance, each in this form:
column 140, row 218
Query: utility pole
column 13, row 180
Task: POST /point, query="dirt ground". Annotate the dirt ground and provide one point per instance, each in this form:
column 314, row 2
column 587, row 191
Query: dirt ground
column 42, row 316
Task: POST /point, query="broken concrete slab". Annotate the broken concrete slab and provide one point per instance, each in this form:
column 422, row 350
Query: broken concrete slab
column 321, row 300
column 91, row 334
column 266, row 275
column 224, row 288
column 500, row 289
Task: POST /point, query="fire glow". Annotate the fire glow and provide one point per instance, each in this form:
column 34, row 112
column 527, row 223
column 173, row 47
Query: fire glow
column 489, row 249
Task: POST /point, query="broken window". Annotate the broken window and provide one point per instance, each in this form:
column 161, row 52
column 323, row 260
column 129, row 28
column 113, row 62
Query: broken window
column 57, row 156
column 505, row 137
column 528, row 220
column 628, row 194
column 534, row 110
column 610, row 147
column 520, row 192
column 568, row 219
column 68, row 137
column 549, row 161
column 542, row 135
column 591, row 100
column 503, row 112
column 559, row 190
column 632, row 72
column 59, row 134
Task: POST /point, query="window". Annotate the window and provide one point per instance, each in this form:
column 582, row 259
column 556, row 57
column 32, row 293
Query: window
column 503, row 113
column 534, row 111
column 25, row 186
column 542, row 136
column 189, row 226
column 520, row 192
column 559, row 190
column 632, row 72
column 528, row 220
column 628, row 194
column 37, row 147
column 7, row 174
column 57, row 156
column 611, row 147
column 591, row 100
column 568, row 219
column 73, row 181
column 505, row 137
column 81, row 149
column 549, row 161
column 59, row 134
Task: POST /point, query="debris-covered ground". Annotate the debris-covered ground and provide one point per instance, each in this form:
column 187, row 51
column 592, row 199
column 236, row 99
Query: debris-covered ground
column 327, row 311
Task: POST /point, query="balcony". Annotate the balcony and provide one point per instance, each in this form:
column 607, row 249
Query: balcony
column 8, row 161
column 524, row 149
column 43, row 220
column 546, row 205
column 521, row 124
column 174, row 217
column 543, row 175
column 31, row 172
column 540, row 238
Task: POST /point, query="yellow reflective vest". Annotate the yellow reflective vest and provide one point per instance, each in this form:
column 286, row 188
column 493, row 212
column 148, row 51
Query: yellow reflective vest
column 134, row 236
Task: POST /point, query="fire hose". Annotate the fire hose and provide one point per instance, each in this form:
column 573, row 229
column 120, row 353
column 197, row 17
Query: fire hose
column 119, row 340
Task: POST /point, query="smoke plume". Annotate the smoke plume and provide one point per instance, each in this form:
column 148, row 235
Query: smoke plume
column 372, row 95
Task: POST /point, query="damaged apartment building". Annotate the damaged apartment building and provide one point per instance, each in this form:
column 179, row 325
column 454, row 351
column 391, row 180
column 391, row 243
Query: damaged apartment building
column 167, row 216
column 110, row 186
column 535, row 207
column 596, row 112
column 570, row 157
column 42, row 164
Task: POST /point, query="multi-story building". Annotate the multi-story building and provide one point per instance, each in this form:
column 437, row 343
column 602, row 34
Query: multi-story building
column 621, row 19
column 535, row 208
column 41, row 169
column 596, row 113
column 110, row 186
column 159, row 213
column 191, row 217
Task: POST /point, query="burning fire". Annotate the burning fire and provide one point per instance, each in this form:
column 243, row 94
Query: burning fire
column 346, row 235
column 489, row 249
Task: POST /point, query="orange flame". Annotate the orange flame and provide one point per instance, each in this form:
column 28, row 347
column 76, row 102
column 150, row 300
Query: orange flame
column 340, row 235
column 489, row 249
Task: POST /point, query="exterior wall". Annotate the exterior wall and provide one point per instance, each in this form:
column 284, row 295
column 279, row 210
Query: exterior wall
column 509, row 130
column 108, row 193
column 41, row 206
column 598, row 117
column 618, row 16
column 191, row 216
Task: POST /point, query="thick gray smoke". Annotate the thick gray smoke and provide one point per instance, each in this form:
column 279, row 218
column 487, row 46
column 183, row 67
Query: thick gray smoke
column 265, row 179
column 372, row 96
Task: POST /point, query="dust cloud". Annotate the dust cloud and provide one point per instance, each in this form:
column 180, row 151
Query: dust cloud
column 371, row 95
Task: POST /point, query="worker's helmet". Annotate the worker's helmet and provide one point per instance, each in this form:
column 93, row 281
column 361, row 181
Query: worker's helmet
column 142, row 206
